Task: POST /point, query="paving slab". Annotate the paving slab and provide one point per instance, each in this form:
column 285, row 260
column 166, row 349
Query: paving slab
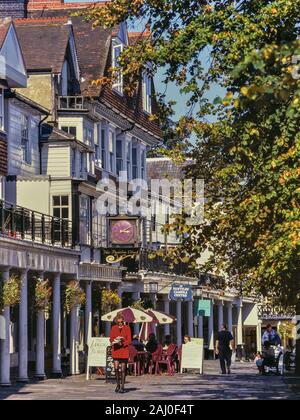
column 243, row 384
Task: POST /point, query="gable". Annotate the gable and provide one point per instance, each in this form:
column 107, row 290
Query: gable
column 12, row 67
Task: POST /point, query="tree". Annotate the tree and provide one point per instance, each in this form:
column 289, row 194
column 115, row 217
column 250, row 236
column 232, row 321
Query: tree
column 248, row 153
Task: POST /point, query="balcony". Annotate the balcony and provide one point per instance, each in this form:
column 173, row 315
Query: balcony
column 100, row 272
column 72, row 103
column 21, row 223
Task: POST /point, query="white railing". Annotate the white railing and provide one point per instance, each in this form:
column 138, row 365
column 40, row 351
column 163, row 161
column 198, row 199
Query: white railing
column 100, row 272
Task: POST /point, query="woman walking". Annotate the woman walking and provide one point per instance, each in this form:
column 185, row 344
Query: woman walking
column 120, row 338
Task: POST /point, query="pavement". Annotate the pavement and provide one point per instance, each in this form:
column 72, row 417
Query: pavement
column 243, row 384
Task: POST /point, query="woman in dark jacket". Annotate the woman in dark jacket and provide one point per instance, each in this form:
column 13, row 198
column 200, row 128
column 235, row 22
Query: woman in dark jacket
column 120, row 338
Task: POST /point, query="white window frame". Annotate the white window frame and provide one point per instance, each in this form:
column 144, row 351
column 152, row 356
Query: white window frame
column 147, row 93
column 25, row 139
column 118, row 83
column 111, row 150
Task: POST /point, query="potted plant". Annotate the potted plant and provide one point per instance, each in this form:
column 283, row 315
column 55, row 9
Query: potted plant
column 10, row 292
column 43, row 294
column 110, row 300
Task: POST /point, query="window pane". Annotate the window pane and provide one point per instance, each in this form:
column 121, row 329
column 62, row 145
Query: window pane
column 56, row 200
column 65, row 213
column 73, row 131
column 56, row 212
column 65, row 200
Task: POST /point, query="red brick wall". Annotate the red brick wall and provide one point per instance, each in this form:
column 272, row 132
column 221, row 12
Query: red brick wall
column 3, row 157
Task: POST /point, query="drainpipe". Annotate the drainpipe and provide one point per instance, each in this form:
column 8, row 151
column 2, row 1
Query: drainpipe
column 40, row 137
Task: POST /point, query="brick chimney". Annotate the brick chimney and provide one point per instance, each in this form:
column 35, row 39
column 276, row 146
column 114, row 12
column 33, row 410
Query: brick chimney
column 13, row 8
column 40, row 4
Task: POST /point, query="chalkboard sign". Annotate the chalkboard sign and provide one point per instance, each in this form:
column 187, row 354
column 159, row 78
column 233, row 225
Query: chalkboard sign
column 110, row 367
column 97, row 353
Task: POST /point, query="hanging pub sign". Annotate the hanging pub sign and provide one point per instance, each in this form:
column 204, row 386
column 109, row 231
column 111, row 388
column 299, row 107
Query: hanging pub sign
column 124, row 232
column 181, row 292
column 203, row 307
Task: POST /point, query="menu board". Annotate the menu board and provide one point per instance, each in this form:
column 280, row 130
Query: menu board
column 110, row 367
column 97, row 352
column 193, row 355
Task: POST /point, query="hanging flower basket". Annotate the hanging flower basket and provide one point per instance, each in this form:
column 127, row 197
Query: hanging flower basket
column 43, row 294
column 110, row 300
column 74, row 296
column 11, row 292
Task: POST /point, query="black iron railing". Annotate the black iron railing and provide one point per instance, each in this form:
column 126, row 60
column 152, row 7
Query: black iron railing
column 21, row 223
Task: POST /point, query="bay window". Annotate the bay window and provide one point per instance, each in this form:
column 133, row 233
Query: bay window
column 119, row 150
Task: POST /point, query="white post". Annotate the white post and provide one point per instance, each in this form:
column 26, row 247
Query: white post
column 88, row 312
column 74, row 367
column 107, row 323
column 23, row 330
column 259, row 336
column 240, row 324
column 167, row 311
column 179, row 322
column 136, row 296
column 56, row 327
column 230, row 321
column 200, row 327
column 211, row 338
column 190, row 318
column 5, row 344
column 220, row 315
column 40, row 345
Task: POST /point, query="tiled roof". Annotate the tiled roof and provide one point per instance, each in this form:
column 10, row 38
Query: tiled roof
column 4, row 26
column 43, row 42
column 160, row 168
column 134, row 37
column 94, row 56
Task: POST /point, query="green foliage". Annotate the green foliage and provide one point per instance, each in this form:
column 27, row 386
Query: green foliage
column 74, row 296
column 43, row 294
column 249, row 155
column 10, row 292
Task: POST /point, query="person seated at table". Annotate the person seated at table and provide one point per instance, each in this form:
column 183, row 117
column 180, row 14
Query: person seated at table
column 168, row 341
column 267, row 358
column 186, row 339
column 137, row 344
column 152, row 344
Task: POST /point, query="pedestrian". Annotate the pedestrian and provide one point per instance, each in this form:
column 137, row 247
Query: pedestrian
column 225, row 345
column 120, row 338
column 152, row 344
column 271, row 336
column 267, row 358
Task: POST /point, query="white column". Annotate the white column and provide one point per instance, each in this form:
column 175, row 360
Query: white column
column 56, row 326
column 259, row 336
column 107, row 324
column 220, row 315
column 88, row 312
column 200, row 327
column 23, row 330
column 40, row 345
column 240, row 323
column 211, row 338
column 190, row 318
column 74, row 360
column 179, row 322
column 5, row 344
column 136, row 296
column 229, row 317
column 167, row 311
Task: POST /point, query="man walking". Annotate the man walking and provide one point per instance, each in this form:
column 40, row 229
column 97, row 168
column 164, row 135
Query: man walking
column 224, row 346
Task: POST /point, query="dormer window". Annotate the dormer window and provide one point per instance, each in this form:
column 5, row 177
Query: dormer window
column 147, row 93
column 118, row 76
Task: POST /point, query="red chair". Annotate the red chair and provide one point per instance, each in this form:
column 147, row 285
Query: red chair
column 133, row 361
column 168, row 359
column 156, row 356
